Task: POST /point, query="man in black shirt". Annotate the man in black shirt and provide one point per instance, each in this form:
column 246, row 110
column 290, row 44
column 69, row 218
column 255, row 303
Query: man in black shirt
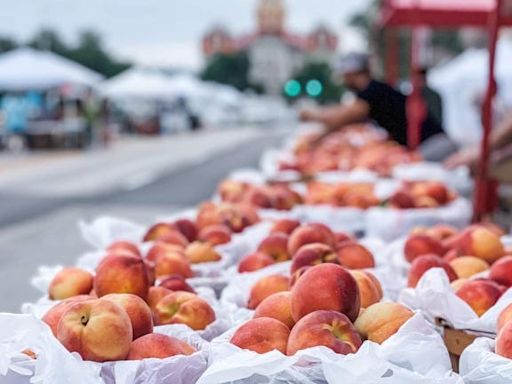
column 375, row 101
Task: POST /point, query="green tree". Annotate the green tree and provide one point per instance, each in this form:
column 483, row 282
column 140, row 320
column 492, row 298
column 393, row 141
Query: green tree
column 322, row 72
column 49, row 40
column 6, row 44
column 230, row 69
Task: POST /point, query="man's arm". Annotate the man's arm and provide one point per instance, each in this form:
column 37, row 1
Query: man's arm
column 336, row 117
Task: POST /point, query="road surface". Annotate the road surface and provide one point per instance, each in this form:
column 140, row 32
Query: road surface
column 42, row 199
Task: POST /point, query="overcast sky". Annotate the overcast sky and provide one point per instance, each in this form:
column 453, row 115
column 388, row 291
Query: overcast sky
column 160, row 31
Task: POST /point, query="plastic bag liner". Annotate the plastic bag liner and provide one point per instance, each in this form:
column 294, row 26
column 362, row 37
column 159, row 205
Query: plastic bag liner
column 436, row 299
column 480, row 365
column 389, row 224
column 103, row 231
column 53, row 365
column 416, row 350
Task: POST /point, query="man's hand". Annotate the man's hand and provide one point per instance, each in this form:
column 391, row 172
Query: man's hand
column 468, row 157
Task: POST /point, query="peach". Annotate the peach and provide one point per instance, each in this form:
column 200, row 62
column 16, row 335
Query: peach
column 286, row 226
column 501, row 271
column 258, row 197
column 277, row 306
column 254, row 261
column 184, row 308
column 175, row 263
column 138, row 311
column 98, row 330
column 199, row 252
column 402, row 199
column 369, row 286
column 442, row 231
column 481, row 242
column 176, row 283
column 504, row 317
column 155, row 295
column 215, row 234
column 326, row 287
column 70, row 282
column 451, row 255
column 122, row 274
column 480, row 295
column 467, row 266
column 432, row 189
column 504, row 341
column 422, row 264
column 160, row 248
column 158, row 230
column 313, row 254
column 355, row 256
column 150, row 271
column 330, row 329
column 52, row 317
column 419, row 245
column 175, row 237
column 456, row 284
column 232, row 190
column 187, row 228
column 342, row 238
column 380, row 321
column 298, row 274
column 262, row 335
column 276, row 246
column 158, row 346
column 265, row 287
column 495, row 228
column 123, row 247
column 308, row 234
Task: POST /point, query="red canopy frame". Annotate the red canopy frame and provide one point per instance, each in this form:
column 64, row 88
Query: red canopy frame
column 447, row 14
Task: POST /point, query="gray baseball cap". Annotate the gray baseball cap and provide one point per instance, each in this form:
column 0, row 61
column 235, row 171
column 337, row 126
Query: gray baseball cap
column 353, row 62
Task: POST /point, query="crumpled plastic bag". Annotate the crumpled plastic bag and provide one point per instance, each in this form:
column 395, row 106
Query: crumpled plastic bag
column 390, row 224
column 436, row 299
column 480, row 365
column 415, row 351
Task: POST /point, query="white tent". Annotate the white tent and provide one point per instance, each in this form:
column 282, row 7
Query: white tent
column 462, row 83
column 30, row 69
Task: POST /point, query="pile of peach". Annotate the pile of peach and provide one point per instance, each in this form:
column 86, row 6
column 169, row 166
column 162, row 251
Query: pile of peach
column 422, row 194
column 306, row 245
column 474, row 259
column 327, row 305
column 312, row 157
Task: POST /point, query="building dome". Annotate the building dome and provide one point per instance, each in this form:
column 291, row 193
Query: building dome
column 271, row 16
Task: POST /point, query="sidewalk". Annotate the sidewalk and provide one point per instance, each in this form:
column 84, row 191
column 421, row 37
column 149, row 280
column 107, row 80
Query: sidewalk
column 128, row 164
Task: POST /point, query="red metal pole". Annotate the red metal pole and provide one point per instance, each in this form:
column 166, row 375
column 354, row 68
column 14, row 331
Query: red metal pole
column 483, row 192
column 392, row 56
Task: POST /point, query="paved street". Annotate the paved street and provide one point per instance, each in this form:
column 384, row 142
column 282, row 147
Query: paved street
column 42, row 200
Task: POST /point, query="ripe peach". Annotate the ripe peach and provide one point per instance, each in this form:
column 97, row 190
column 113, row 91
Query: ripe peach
column 175, row 237
column 155, row 295
column 380, row 321
column 277, row 306
column 262, row 335
column 70, row 282
column 276, row 246
column 187, row 228
column 52, row 317
column 215, row 234
column 298, row 274
column 150, row 270
column 158, row 346
column 158, row 230
column 175, row 263
column 199, row 252
column 456, row 284
column 504, row 341
column 138, row 311
column 480, row 295
column 369, row 286
column 160, row 248
column 442, row 231
column 254, row 261
column 124, row 247
column 185, row 308
column 481, row 242
column 327, row 328
column 176, row 283
column 419, row 245
column 286, row 226
column 313, row 254
column 504, row 317
column 451, row 255
column 467, row 266
column 122, row 274
column 308, row 234
column 422, row 264
column 402, row 199
column 342, row 238
column 326, row 287
column 98, row 330
column 355, row 256
column 265, row 287
column 501, row 271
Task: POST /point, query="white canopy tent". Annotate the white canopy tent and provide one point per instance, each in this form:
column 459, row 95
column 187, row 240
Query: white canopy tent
column 29, row 69
column 462, row 82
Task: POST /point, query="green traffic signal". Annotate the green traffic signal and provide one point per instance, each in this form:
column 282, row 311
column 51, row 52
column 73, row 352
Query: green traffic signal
column 314, row 88
column 292, row 88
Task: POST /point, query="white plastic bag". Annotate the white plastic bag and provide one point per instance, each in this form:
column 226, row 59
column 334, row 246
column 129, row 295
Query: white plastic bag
column 480, row 365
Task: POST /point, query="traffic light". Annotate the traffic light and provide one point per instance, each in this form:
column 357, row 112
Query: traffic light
column 292, row 88
column 314, row 88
